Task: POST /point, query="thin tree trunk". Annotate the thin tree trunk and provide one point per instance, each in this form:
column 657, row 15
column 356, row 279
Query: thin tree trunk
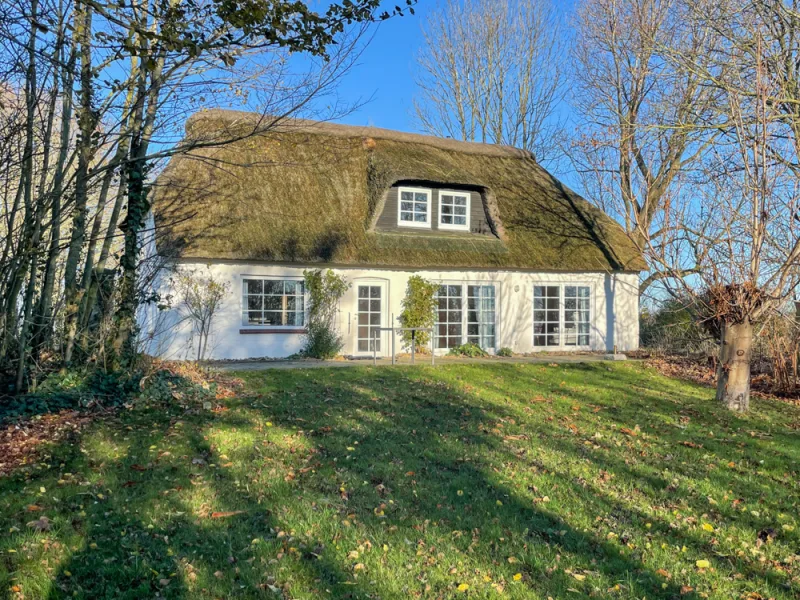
column 38, row 214
column 29, row 243
column 86, row 123
column 138, row 206
column 90, row 283
column 733, row 372
column 44, row 311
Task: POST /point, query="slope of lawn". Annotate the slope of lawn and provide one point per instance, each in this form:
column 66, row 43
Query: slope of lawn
column 464, row 481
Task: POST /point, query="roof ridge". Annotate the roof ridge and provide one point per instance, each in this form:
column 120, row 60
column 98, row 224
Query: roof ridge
column 288, row 125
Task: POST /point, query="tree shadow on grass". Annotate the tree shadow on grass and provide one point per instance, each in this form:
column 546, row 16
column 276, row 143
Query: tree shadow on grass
column 322, row 463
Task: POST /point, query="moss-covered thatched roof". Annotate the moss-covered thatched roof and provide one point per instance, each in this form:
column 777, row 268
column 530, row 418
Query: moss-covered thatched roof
column 308, row 192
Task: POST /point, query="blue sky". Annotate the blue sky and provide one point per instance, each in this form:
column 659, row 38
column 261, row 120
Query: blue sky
column 384, row 74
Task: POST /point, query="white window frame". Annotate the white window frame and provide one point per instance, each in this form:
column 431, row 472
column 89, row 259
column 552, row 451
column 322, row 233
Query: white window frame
column 255, row 326
column 414, row 190
column 454, row 227
column 465, row 310
column 561, row 310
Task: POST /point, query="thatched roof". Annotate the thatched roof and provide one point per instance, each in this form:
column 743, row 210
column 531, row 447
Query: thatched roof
column 309, row 192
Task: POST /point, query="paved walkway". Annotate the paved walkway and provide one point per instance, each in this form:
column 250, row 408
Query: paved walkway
column 265, row 365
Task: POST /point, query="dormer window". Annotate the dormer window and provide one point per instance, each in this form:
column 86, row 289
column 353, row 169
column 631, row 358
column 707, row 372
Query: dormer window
column 414, row 208
column 454, row 210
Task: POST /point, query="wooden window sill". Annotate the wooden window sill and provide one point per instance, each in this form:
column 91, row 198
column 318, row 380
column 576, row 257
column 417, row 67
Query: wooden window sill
column 271, row 331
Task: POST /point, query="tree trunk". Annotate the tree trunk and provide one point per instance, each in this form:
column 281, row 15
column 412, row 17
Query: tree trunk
column 733, row 372
column 86, row 126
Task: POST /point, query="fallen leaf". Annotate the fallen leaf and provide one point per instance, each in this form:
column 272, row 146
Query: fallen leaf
column 228, row 513
column 517, row 576
column 703, row 564
column 463, row 587
column 708, row 527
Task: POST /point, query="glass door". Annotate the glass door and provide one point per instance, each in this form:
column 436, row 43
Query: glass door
column 370, row 317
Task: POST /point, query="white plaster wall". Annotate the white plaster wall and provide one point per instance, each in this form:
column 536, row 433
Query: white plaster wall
column 615, row 310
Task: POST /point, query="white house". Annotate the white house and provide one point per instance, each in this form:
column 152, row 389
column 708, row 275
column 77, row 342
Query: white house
column 521, row 260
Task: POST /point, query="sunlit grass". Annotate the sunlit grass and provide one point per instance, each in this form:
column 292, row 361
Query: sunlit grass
column 506, row 481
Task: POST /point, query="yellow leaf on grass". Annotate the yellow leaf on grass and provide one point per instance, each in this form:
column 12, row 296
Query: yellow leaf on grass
column 463, row 587
column 708, row 527
column 578, row 576
column 517, row 576
column 703, row 564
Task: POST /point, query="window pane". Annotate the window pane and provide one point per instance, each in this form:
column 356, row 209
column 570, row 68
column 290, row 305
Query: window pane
column 273, row 318
column 273, row 302
column 407, row 196
column 273, row 287
column 253, row 317
column 421, row 197
column 254, row 303
column 375, row 291
column 253, row 286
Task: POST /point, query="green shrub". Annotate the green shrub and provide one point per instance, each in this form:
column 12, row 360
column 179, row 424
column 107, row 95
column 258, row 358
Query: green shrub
column 322, row 342
column 505, row 352
column 325, row 290
column 468, row 350
column 419, row 309
column 72, row 389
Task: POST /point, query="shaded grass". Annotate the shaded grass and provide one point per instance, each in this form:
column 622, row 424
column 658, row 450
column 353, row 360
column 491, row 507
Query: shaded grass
column 491, row 480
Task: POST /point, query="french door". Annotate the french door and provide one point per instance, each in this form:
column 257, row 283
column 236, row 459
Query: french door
column 466, row 313
column 370, row 317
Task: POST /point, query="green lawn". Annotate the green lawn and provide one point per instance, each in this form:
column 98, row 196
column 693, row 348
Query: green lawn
column 464, row 481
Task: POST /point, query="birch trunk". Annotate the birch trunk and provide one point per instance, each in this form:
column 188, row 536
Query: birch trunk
column 44, row 311
column 733, row 373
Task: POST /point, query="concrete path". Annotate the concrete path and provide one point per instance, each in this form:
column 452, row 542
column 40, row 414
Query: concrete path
column 264, row 365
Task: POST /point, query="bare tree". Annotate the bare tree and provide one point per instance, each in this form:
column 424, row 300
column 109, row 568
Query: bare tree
column 741, row 235
column 492, row 71
column 645, row 120
column 200, row 297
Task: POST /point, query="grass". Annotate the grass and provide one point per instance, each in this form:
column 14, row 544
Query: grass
column 464, row 481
